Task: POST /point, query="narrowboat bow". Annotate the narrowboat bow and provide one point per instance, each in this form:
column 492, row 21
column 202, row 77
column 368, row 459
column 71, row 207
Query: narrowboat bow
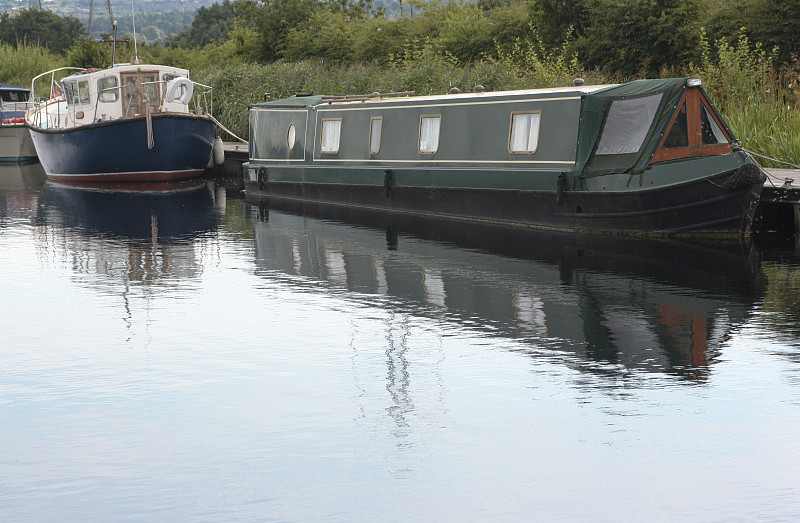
column 650, row 157
column 131, row 122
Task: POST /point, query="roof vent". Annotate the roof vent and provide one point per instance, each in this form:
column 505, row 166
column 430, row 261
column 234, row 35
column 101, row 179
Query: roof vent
column 454, row 90
column 479, row 89
column 578, row 82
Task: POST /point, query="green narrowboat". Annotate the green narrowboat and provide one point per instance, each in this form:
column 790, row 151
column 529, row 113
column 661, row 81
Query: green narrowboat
column 650, row 157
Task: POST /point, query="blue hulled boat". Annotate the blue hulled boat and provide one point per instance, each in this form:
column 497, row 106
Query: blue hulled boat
column 132, row 122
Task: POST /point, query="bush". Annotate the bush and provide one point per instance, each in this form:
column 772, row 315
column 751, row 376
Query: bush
column 20, row 64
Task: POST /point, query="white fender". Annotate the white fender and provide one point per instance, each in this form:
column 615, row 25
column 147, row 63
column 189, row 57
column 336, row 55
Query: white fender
column 174, row 88
column 219, row 151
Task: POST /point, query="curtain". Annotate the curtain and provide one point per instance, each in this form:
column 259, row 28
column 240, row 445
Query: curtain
column 331, row 131
column 525, row 132
column 429, row 134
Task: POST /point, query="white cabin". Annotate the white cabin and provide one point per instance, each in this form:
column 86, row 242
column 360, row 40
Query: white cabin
column 123, row 91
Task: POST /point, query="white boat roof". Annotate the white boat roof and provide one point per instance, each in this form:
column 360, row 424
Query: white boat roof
column 122, row 68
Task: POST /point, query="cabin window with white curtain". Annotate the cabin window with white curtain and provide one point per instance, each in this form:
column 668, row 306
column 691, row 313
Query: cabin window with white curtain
column 375, row 130
column 107, row 89
column 331, row 135
column 524, row 137
column 429, row 128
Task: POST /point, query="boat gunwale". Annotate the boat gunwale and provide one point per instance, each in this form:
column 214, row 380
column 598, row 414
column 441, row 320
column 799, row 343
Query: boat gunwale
column 117, row 121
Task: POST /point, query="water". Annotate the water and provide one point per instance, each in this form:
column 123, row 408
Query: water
column 185, row 355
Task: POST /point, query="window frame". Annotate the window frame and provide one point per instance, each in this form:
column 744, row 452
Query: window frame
column 114, row 89
column 511, row 131
column 693, row 98
column 83, row 92
column 322, row 136
column 437, row 117
column 372, row 121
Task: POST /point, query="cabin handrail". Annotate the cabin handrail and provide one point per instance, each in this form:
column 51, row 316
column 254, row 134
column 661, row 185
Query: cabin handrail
column 362, row 97
column 52, row 74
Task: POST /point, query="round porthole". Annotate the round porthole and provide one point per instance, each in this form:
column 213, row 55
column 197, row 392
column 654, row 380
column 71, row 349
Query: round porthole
column 291, row 136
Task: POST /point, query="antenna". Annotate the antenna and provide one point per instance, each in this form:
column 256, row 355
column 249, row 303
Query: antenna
column 135, row 46
column 114, row 45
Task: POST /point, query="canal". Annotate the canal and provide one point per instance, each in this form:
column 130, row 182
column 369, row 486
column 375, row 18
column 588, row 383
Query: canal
column 176, row 352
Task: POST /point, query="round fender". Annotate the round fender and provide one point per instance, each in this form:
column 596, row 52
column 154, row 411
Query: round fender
column 218, row 151
column 174, row 89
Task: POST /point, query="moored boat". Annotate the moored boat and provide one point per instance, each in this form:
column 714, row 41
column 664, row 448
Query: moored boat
column 647, row 157
column 131, row 122
column 15, row 140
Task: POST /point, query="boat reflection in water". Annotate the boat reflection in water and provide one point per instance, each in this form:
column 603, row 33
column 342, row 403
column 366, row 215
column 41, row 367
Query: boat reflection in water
column 138, row 232
column 644, row 304
column 20, row 184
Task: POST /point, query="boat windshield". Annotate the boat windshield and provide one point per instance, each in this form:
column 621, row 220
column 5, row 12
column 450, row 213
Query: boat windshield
column 14, row 96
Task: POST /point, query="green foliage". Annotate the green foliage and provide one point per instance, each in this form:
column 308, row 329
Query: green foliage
column 758, row 99
column 213, row 23
column 239, row 85
column 20, row 64
column 325, row 35
column 639, row 37
column 47, row 29
column 543, row 68
column 465, row 33
column 268, row 23
column 776, row 24
column 555, row 18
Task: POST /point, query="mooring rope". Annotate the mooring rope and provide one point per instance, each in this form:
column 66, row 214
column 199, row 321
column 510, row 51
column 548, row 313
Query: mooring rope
column 225, row 129
column 768, row 175
column 751, row 153
column 148, row 112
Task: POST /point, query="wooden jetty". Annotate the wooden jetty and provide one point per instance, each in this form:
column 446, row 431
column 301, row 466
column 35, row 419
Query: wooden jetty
column 779, row 207
column 235, row 156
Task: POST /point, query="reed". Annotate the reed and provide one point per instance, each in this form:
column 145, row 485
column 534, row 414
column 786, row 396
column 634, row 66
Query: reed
column 18, row 65
column 237, row 86
column 758, row 99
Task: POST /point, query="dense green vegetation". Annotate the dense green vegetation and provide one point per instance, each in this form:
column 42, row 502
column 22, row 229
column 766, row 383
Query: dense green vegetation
column 746, row 51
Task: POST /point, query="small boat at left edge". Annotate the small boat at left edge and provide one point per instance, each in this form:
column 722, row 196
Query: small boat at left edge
column 132, row 122
column 15, row 139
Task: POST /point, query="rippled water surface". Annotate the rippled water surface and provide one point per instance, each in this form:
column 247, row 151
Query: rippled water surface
column 176, row 353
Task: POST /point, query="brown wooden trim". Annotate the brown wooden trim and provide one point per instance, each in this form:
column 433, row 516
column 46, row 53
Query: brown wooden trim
column 689, row 152
column 692, row 98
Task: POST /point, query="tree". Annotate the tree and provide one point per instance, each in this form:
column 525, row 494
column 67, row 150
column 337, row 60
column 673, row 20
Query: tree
column 776, row 23
column 51, row 31
column 555, row 19
column 639, row 37
column 211, row 24
column 270, row 22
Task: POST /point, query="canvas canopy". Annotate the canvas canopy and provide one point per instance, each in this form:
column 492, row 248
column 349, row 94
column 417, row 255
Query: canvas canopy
column 622, row 126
